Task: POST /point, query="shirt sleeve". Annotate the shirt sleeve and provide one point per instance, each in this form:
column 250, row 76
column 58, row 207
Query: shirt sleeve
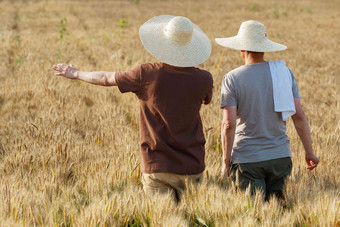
column 295, row 88
column 228, row 93
column 208, row 97
column 129, row 81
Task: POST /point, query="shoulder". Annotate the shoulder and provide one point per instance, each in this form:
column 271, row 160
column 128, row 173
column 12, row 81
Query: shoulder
column 232, row 74
column 151, row 66
column 245, row 69
column 203, row 76
column 203, row 73
column 229, row 79
column 235, row 75
column 134, row 71
column 291, row 73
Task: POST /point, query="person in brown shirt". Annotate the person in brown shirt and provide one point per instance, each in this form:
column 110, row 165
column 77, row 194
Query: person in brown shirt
column 171, row 93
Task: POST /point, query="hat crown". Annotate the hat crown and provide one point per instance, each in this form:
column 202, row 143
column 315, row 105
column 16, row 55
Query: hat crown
column 252, row 30
column 179, row 30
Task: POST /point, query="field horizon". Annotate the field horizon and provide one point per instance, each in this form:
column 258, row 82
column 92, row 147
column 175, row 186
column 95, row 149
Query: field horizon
column 69, row 151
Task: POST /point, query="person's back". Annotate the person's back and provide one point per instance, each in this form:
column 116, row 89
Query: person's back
column 260, row 132
column 170, row 97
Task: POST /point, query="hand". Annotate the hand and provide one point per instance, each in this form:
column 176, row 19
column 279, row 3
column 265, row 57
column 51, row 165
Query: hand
column 68, row 71
column 312, row 161
column 225, row 171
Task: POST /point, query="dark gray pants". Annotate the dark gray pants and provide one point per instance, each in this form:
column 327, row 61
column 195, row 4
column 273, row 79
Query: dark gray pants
column 268, row 176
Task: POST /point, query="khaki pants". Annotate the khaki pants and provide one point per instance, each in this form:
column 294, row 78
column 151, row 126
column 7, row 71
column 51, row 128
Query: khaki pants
column 163, row 183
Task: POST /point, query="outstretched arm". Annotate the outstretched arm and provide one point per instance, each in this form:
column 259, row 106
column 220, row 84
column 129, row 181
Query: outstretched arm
column 98, row 78
column 227, row 136
column 302, row 128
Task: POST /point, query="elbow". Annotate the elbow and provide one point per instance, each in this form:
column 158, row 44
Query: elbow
column 299, row 115
column 228, row 125
column 108, row 79
column 105, row 80
column 299, row 118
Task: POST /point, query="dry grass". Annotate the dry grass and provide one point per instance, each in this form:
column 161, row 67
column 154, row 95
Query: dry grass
column 69, row 153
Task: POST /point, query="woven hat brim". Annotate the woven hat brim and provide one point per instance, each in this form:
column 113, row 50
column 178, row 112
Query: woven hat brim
column 238, row 43
column 158, row 45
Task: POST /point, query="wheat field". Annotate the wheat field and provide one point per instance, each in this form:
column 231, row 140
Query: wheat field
column 69, row 151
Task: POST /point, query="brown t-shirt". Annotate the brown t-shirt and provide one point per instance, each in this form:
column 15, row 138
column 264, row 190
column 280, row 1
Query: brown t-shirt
column 171, row 131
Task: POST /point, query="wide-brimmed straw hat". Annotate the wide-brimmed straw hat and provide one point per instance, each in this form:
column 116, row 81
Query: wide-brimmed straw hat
column 251, row 37
column 175, row 40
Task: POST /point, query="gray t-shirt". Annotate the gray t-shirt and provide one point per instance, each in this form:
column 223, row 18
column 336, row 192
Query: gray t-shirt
column 260, row 131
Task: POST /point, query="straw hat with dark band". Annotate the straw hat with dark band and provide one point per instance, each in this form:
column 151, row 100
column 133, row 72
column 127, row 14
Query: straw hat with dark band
column 175, row 40
column 251, row 37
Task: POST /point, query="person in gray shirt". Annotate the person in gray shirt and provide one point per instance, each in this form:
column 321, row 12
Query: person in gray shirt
column 255, row 145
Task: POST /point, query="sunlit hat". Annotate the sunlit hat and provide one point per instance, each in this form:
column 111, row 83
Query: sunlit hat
column 251, row 37
column 175, row 40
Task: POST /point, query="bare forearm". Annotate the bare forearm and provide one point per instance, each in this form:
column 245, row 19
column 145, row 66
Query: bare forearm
column 228, row 135
column 98, row 78
column 302, row 128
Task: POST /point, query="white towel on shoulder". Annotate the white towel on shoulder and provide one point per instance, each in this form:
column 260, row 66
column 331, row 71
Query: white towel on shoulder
column 282, row 89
